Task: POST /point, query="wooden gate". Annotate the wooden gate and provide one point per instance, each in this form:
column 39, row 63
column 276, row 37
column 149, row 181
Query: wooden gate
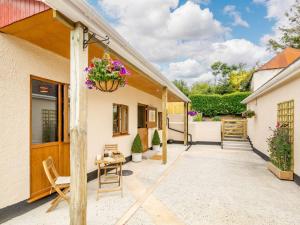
column 234, row 129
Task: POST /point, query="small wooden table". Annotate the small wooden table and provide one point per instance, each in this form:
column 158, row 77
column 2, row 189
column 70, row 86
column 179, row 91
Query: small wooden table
column 110, row 163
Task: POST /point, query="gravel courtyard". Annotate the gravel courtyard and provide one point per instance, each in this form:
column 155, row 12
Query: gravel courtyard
column 204, row 186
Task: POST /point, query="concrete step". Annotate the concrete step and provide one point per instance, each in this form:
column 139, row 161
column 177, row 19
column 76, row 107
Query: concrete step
column 237, row 145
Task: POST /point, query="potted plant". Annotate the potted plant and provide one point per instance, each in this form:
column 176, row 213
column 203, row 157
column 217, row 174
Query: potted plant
column 156, row 141
column 105, row 74
column 248, row 114
column 137, row 149
column 192, row 114
column 280, row 150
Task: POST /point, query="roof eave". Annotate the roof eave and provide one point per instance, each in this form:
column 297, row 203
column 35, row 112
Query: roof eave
column 81, row 11
column 288, row 73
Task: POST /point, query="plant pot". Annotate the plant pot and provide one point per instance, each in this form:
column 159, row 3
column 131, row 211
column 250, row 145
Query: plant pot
column 156, row 148
column 137, row 157
column 282, row 175
column 107, row 86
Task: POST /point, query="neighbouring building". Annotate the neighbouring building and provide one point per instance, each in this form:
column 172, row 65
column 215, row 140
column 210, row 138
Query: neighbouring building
column 276, row 98
column 34, row 94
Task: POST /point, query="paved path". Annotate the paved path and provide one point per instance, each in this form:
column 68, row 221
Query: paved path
column 204, row 186
column 223, row 187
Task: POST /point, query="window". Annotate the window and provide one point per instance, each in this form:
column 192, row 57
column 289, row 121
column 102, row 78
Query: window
column 152, row 117
column 120, row 120
column 44, row 112
column 285, row 115
column 160, row 120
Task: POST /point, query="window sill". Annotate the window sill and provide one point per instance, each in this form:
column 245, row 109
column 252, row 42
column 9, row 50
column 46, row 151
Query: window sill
column 119, row 135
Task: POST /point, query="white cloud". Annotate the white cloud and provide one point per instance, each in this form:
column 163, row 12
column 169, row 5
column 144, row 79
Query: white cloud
column 189, row 68
column 182, row 41
column 238, row 51
column 276, row 10
column 238, row 21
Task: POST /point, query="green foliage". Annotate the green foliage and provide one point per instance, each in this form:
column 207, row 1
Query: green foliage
column 213, row 105
column 198, row 117
column 216, row 118
column 200, row 88
column 155, row 138
column 280, row 148
column 137, row 146
column 248, row 113
column 240, row 80
column 182, row 86
column 290, row 35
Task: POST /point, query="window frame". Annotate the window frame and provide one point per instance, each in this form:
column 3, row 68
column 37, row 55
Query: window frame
column 159, row 120
column 121, row 131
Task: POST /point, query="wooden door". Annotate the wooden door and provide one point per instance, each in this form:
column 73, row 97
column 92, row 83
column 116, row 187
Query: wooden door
column 142, row 125
column 49, row 134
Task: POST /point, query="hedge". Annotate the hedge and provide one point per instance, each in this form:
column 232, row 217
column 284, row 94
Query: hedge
column 213, row 105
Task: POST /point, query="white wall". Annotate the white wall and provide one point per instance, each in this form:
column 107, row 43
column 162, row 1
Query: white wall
column 100, row 119
column 19, row 60
column 209, row 131
column 261, row 77
column 265, row 108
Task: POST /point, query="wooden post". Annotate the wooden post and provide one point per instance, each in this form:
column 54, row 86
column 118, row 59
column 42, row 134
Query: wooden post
column 78, row 127
column 164, row 124
column 185, row 124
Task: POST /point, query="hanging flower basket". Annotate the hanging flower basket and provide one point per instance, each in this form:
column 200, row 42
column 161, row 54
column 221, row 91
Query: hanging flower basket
column 105, row 74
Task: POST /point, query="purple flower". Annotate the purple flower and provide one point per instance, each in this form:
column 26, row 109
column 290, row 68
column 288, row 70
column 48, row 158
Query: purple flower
column 192, row 113
column 89, row 84
column 117, row 65
column 123, row 71
column 86, row 69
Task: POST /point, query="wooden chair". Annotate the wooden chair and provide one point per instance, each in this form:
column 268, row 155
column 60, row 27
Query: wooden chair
column 58, row 183
column 110, row 177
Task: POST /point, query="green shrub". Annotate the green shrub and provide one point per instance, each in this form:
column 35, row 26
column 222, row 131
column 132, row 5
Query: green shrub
column 280, row 148
column 248, row 113
column 216, row 118
column 155, row 138
column 213, row 105
column 198, row 117
column 137, row 146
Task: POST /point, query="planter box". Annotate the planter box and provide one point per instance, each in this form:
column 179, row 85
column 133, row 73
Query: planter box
column 282, row 175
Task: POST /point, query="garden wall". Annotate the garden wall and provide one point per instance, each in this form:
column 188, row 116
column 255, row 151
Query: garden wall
column 204, row 131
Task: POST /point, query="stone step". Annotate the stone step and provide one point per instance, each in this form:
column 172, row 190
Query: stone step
column 237, row 145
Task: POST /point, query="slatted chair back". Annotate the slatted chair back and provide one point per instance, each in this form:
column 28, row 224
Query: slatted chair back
column 111, row 147
column 50, row 170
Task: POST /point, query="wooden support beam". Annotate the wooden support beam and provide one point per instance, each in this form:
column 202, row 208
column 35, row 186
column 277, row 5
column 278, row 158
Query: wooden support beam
column 164, row 124
column 78, row 126
column 185, row 123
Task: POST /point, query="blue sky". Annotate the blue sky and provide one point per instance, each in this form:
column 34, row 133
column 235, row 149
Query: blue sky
column 184, row 37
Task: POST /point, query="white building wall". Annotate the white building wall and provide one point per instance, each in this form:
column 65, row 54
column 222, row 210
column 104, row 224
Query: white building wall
column 261, row 77
column 265, row 108
column 19, row 60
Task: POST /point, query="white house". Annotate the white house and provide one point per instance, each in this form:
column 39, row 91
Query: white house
column 35, row 44
column 276, row 93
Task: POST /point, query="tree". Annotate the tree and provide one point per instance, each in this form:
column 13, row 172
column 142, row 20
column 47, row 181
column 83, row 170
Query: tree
column 222, row 70
column 182, row 86
column 199, row 88
column 240, row 80
column 290, row 34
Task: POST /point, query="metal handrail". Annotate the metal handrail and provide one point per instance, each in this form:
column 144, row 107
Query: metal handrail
column 190, row 143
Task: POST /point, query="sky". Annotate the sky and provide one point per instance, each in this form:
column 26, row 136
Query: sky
column 182, row 38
